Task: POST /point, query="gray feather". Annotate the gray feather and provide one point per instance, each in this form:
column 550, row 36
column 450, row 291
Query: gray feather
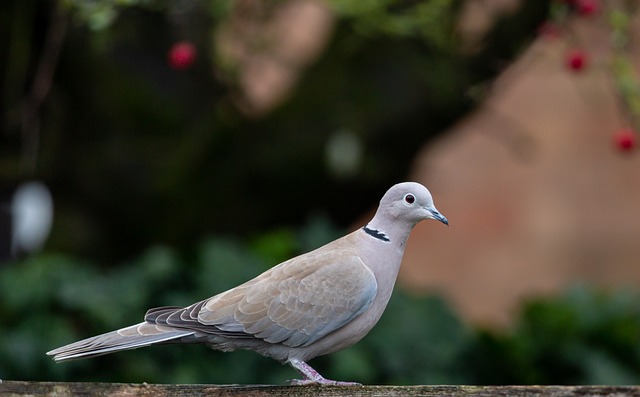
column 132, row 337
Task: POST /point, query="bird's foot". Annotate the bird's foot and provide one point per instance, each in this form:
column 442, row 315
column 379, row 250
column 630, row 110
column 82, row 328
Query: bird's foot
column 312, row 377
column 321, row 382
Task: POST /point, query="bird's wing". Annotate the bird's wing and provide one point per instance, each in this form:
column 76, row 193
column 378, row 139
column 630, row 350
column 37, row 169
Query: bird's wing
column 295, row 303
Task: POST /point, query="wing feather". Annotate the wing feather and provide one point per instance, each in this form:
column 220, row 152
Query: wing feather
column 296, row 303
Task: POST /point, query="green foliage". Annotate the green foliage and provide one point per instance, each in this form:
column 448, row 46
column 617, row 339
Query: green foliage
column 584, row 337
column 430, row 21
column 101, row 14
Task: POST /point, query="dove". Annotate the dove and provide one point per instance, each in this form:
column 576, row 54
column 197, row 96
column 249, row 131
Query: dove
column 314, row 304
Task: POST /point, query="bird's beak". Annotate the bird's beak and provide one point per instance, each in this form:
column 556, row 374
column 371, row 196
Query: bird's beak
column 438, row 216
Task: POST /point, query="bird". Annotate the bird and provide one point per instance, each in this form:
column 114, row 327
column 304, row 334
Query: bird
column 313, row 304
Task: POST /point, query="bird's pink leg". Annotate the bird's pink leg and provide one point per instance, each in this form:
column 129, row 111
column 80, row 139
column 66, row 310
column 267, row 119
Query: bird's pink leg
column 312, row 377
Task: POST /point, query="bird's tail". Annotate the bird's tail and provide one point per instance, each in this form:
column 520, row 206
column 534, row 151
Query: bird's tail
column 133, row 337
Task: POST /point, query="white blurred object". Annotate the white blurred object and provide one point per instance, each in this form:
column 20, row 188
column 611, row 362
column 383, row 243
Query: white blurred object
column 32, row 217
column 343, row 154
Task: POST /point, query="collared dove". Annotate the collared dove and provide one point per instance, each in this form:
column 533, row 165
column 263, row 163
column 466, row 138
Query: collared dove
column 314, row 304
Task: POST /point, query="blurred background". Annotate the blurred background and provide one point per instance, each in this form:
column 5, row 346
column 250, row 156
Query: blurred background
column 158, row 152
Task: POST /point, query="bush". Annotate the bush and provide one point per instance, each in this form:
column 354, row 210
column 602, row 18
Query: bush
column 49, row 300
column 586, row 336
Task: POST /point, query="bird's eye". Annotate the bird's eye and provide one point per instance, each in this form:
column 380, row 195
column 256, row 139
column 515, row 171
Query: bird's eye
column 409, row 198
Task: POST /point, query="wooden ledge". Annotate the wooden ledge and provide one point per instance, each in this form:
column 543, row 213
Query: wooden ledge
column 62, row 389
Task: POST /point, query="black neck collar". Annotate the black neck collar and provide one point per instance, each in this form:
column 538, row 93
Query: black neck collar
column 376, row 234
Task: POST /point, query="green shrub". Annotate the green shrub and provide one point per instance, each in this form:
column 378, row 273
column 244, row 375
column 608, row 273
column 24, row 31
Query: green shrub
column 586, row 336
column 583, row 337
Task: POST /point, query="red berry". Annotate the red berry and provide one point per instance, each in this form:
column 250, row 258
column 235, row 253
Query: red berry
column 182, row 55
column 587, row 7
column 577, row 60
column 625, row 139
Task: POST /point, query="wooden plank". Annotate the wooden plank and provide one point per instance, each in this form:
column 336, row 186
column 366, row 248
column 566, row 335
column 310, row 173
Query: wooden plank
column 63, row 389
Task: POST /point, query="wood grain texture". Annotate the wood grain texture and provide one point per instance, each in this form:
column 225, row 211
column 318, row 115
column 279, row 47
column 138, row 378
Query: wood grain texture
column 60, row 389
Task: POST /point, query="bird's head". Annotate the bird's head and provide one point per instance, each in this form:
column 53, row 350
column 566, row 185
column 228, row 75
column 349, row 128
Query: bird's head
column 411, row 202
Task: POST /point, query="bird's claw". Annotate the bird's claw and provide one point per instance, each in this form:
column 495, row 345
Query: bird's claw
column 320, row 382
